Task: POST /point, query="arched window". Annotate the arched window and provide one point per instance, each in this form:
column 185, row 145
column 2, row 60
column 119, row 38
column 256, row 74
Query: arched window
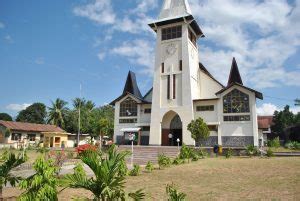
column 236, row 102
column 128, row 108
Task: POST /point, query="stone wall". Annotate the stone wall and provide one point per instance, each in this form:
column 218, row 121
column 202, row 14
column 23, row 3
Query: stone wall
column 237, row 141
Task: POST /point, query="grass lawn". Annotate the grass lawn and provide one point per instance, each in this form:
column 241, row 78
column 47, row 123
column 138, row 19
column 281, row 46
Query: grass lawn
column 217, row 179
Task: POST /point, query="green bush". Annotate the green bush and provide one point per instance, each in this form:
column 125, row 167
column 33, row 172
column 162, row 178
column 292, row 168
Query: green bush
column 229, row 153
column 274, row 143
column 178, row 161
column 195, row 156
column 186, row 152
column 149, row 167
column 135, row 171
column 251, row 150
column 269, row 153
column 164, row 161
column 123, row 170
column 202, row 153
column 292, row 145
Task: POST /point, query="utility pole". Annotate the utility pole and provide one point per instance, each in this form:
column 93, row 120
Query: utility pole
column 78, row 135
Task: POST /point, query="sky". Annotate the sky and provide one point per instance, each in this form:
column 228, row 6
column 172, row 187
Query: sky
column 49, row 48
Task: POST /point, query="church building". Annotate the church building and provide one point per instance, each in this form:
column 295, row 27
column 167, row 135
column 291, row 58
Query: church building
column 184, row 90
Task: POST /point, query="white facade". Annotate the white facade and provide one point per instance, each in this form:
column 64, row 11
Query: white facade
column 181, row 85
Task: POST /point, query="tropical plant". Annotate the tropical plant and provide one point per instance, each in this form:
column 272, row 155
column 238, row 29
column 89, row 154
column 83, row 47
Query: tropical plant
column 194, row 156
column 251, row 150
column 5, row 117
column 202, row 153
column 229, row 153
column 149, row 167
column 135, row 171
column 57, row 112
column 186, row 152
column 137, row 196
column 82, row 148
column 164, row 161
column 35, row 113
column 173, row 194
column 108, row 183
column 292, row 145
column 43, row 184
column 274, row 143
column 178, row 161
column 58, row 158
column 11, row 161
column 123, row 171
column 198, row 129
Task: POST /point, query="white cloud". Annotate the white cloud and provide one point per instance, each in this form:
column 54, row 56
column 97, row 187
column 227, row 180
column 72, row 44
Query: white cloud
column 267, row 109
column 101, row 56
column 39, row 61
column 17, row 107
column 100, row 12
column 261, row 34
column 8, row 39
column 2, row 26
column 139, row 52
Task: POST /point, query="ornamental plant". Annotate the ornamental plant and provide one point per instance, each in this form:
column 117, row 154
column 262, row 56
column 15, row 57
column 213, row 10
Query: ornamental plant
column 43, row 184
column 198, row 129
column 149, row 167
column 82, row 148
column 163, row 161
column 58, row 158
column 135, row 171
column 173, row 194
column 229, row 153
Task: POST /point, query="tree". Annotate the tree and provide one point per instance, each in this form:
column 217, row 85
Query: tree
column 57, row 113
column 43, row 184
column 297, row 102
column 35, row 113
column 11, row 162
column 105, row 127
column 282, row 120
column 5, row 117
column 108, row 182
column 198, row 129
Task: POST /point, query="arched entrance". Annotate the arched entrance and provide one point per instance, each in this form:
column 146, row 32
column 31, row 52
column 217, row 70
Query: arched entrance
column 171, row 129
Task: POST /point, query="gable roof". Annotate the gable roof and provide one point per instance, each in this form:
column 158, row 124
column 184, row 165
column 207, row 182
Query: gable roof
column 30, row 127
column 265, row 122
column 234, row 76
column 208, row 74
column 257, row 94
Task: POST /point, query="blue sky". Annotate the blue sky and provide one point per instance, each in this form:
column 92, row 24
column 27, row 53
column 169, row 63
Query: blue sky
column 47, row 48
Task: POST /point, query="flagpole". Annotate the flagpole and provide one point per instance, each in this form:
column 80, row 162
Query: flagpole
column 78, row 134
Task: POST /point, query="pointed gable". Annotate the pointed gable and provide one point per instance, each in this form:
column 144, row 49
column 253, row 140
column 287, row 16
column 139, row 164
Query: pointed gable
column 234, row 76
column 131, row 86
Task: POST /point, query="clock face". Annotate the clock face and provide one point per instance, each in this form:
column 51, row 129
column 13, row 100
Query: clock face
column 171, row 49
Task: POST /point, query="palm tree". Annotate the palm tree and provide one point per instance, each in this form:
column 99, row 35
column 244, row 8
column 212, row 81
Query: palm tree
column 108, row 183
column 79, row 103
column 57, row 112
column 11, row 162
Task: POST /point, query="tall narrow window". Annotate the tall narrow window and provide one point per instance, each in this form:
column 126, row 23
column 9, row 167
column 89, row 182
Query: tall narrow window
column 174, row 86
column 162, row 67
column 168, row 90
column 180, row 65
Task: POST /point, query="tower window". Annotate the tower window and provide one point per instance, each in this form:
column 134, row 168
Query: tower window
column 174, row 86
column 162, row 67
column 236, row 102
column 192, row 38
column 128, row 108
column 168, row 90
column 180, row 65
column 171, row 32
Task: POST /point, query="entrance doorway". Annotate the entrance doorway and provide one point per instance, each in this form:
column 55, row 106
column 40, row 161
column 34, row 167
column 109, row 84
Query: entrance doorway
column 171, row 129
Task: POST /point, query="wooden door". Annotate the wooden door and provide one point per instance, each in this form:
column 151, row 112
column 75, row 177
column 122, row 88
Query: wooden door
column 164, row 137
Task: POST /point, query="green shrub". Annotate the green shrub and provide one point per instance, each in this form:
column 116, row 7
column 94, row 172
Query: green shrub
column 42, row 150
column 229, row 153
column 274, row 143
column 292, row 145
column 178, row 161
column 173, row 194
column 186, row 152
column 149, row 167
column 195, row 156
column 202, row 153
column 269, row 153
column 135, row 171
column 163, row 161
column 251, row 150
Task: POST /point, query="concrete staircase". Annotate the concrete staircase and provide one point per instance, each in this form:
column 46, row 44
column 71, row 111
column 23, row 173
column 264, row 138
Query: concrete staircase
column 143, row 154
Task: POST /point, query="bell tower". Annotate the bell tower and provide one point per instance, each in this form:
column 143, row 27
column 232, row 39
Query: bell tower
column 176, row 80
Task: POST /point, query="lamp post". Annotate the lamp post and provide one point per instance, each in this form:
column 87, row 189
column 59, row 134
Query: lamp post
column 178, row 141
column 131, row 138
column 170, row 136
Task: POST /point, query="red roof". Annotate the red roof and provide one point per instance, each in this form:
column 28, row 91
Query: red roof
column 265, row 121
column 30, row 127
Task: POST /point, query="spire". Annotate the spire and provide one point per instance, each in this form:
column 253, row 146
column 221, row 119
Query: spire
column 131, row 86
column 234, row 76
column 174, row 9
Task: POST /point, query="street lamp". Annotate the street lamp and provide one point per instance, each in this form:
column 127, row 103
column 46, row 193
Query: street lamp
column 131, row 138
column 178, row 140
